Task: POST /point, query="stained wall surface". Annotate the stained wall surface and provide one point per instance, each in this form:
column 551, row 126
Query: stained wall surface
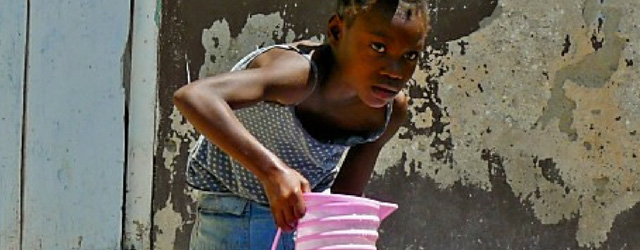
column 522, row 131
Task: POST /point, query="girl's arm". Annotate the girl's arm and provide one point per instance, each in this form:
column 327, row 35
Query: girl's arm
column 277, row 75
column 360, row 160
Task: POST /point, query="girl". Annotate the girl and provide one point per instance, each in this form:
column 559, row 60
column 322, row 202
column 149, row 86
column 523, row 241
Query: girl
column 277, row 125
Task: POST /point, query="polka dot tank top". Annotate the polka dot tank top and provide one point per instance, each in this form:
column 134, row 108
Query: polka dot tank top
column 278, row 129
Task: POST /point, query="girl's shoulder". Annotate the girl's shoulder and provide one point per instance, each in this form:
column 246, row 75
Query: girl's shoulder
column 400, row 110
column 401, row 104
column 286, row 74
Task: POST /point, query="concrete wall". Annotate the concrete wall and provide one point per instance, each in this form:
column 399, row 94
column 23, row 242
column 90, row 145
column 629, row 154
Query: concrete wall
column 523, row 122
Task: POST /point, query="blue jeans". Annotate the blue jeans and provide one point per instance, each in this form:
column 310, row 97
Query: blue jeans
column 228, row 222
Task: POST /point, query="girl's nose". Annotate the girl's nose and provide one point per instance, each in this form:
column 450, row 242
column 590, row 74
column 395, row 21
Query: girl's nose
column 393, row 69
column 391, row 75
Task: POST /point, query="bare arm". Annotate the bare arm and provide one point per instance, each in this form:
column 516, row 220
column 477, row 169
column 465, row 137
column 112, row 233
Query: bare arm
column 360, row 160
column 276, row 75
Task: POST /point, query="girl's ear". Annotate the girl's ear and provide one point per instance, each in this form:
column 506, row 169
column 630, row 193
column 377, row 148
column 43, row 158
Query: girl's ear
column 335, row 29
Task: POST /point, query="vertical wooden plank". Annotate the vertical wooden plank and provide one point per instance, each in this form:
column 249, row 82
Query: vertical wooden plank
column 74, row 162
column 13, row 16
column 142, row 110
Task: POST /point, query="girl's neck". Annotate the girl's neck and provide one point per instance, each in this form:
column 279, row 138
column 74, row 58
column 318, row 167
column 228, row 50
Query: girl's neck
column 331, row 88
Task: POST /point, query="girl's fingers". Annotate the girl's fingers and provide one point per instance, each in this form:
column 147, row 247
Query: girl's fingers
column 305, row 187
column 289, row 218
column 281, row 221
column 277, row 216
column 298, row 207
column 298, row 210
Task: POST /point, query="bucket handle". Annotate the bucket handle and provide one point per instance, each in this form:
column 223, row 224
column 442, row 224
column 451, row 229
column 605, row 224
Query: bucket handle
column 274, row 245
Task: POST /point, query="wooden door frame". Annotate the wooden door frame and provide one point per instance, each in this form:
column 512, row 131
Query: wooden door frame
column 142, row 125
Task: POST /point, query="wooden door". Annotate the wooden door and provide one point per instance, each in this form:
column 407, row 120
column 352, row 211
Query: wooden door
column 13, row 16
column 73, row 160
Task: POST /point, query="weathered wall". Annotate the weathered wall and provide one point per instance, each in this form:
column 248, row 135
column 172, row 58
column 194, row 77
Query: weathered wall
column 522, row 132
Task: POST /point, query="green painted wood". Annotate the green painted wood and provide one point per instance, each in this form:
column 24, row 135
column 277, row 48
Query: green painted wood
column 13, row 16
column 74, row 161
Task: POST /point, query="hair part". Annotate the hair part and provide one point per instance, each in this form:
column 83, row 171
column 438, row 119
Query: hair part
column 406, row 9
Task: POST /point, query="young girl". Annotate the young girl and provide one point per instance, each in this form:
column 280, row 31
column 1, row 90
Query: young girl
column 277, row 125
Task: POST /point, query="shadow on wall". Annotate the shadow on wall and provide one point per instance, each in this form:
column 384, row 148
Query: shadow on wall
column 453, row 19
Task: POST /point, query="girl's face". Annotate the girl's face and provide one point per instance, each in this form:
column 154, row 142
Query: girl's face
column 377, row 54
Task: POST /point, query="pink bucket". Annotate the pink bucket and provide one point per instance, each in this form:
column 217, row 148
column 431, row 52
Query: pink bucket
column 339, row 222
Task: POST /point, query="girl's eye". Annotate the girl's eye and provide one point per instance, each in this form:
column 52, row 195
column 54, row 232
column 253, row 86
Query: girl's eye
column 378, row 47
column 411, row 56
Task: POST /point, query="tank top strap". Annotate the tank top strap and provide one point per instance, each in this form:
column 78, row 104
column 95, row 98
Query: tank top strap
column 246, row 60
column 377, row 134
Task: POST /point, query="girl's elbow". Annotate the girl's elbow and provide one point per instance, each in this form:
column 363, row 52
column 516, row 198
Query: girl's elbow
column 183, row 94
column 178, row 96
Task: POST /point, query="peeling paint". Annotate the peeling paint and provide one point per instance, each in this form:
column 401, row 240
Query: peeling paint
column 222, row 51
column 167, row 226
column 158, row 13
column 168, row 219
column 182, row 131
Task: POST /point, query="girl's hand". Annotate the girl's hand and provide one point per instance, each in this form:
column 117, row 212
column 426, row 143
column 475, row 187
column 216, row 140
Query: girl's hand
column 284, row 188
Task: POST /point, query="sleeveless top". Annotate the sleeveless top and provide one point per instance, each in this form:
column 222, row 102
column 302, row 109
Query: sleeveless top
column 279, row 130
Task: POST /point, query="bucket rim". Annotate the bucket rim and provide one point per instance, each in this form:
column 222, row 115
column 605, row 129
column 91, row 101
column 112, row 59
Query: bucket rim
column 338, row 197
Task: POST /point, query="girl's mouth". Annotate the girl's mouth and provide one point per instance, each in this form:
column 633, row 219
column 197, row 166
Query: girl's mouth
column 383, row 92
